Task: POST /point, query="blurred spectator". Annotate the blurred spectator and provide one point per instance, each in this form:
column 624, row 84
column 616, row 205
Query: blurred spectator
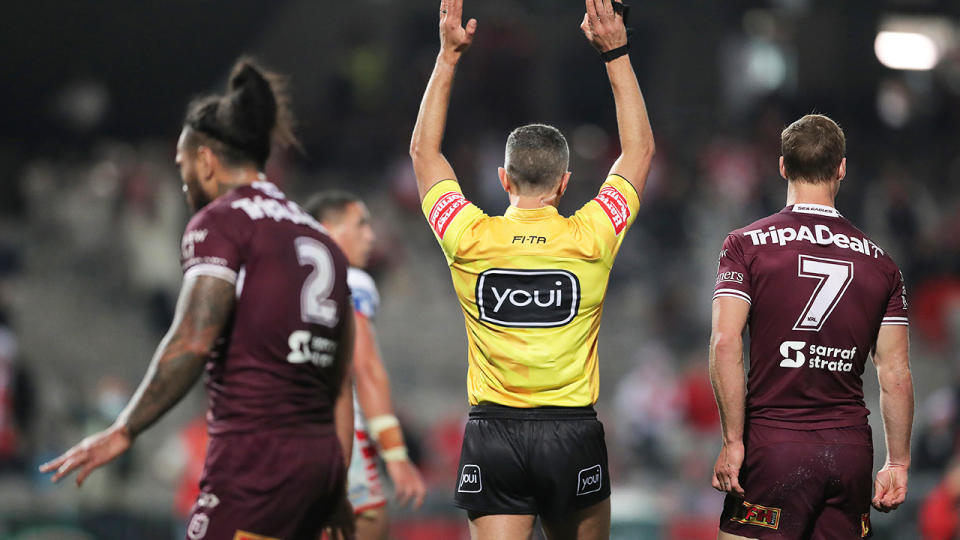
column 105, row 490
column 699, row 407
column 151, row 220
column 935, row 306
column 443, row 443
column 939, row 517
column 16, row 404
column 938, row 438
column 646, row 407
column 180, row 462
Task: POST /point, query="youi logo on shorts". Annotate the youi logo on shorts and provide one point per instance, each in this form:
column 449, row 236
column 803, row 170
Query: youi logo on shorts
column 528, row 298
column 470, row 479
column 590, row 480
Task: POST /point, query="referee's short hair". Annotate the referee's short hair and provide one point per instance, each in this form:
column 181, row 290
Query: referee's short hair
column 329, row 205
column 536, row 157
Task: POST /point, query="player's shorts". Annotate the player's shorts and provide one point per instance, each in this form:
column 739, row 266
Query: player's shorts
column 364, row 485
column 547, row 460
column 264, row 486
column 803, row 484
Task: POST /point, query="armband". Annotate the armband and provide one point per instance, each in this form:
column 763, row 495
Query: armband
column 379, row 424
column 395, row 454
column 624, row 11
column 613, row 54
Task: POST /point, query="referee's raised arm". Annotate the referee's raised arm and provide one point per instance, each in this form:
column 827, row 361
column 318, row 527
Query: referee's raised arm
column 429, row 163
column 604, row 27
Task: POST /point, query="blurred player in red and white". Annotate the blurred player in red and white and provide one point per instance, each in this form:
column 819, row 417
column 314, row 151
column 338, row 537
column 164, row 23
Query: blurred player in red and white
column 376, row 428
column 265, row 307
column 819, row 297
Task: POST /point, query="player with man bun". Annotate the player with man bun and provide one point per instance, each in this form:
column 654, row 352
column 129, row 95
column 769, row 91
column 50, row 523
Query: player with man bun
column 266, row 309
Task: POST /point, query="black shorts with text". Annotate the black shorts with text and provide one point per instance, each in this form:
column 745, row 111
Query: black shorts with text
column 546, row 460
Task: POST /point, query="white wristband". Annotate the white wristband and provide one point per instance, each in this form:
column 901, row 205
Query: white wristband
column 395, row 454
column 378, row 424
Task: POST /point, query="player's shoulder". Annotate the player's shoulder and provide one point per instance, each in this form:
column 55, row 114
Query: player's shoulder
column 855, row 232
column 360, row 280
column 212, row 214
column 227, row 208
column 736, row 237
column 775, row 219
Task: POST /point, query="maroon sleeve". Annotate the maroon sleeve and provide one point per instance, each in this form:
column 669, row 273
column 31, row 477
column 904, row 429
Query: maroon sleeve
column 896, row 313
column 732, row 276
column 209, row 248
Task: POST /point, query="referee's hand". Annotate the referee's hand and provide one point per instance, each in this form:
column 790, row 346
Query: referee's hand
column 602, row 26
column 455, row 38
column 726, row 472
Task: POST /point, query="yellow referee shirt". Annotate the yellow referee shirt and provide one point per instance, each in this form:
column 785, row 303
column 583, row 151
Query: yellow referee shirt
column 531, row 284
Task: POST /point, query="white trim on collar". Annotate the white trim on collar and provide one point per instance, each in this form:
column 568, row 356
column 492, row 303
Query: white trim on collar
column 268, row 187
column 818, row 209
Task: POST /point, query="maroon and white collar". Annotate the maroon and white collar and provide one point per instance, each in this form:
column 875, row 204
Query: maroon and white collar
column 816, row 209
column 267, row 187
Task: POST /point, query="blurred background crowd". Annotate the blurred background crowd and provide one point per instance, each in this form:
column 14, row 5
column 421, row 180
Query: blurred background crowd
column 91, row 215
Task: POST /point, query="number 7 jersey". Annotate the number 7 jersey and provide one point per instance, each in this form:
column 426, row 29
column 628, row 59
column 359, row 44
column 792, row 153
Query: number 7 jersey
column 818, row 290
column 275, row 370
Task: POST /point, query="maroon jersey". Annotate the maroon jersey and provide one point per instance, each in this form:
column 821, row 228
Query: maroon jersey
column 819, row 290
column 274, row 370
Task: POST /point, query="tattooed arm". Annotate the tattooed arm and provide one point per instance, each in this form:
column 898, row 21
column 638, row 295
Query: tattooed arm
column 202, row 313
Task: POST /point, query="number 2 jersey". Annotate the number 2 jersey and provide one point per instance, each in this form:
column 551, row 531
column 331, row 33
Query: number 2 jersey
column 275, row 368
column 818, row 290
column 531, row 284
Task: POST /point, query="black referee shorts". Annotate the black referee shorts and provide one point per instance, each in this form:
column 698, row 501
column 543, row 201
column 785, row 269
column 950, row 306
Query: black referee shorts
column 546, row 460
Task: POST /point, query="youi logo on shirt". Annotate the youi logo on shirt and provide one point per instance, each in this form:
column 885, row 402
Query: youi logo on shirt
column 528, row 298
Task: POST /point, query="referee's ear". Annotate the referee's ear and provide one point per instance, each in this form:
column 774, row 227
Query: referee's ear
column 504, row 180
column 564, row 180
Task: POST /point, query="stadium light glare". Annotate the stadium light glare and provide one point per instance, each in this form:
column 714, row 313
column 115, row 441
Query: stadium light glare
column 906, row 50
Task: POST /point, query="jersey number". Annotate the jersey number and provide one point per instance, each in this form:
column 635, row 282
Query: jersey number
column 315, row 305
column 834, row 277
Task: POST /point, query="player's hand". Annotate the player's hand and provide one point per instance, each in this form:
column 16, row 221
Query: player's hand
column 726, row 472
column 603, row 27
column 96, row 450
column 454, row 38
column 890, row 487
column 407, row 483
column 341, row 525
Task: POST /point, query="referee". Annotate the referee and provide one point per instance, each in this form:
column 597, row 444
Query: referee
column 531, row 284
